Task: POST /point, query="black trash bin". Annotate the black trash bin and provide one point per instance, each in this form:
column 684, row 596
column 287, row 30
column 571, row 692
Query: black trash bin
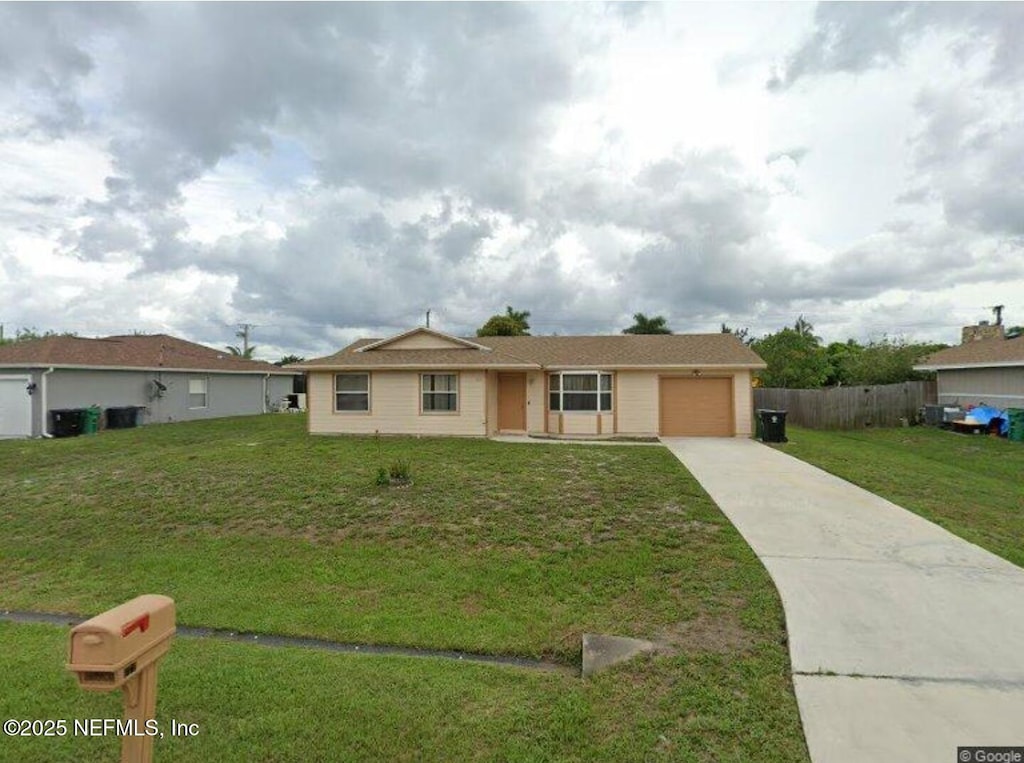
column 773, row 426
column 124, row 418
column 67, row 422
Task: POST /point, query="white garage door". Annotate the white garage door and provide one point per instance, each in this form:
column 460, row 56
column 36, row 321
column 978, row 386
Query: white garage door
column 15, row 407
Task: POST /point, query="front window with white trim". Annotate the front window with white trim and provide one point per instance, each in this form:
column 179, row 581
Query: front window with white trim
column 584, row 392
column 351, row 393
column 197, row 392
column 440, row 393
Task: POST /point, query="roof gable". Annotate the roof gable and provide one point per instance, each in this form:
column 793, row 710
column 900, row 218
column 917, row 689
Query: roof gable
column 422, row 338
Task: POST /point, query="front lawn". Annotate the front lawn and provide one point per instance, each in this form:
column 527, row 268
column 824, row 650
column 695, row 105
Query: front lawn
column 250, row 524
column 971, row 485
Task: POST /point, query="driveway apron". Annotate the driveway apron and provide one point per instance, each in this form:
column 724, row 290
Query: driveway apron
column 905, row 640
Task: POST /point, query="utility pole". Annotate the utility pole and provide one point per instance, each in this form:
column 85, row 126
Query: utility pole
column 244, row 336
column 428, row 318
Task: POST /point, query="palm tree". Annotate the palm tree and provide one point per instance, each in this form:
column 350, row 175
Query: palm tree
column 246, row 353
column 644, row 325
column 803, row 327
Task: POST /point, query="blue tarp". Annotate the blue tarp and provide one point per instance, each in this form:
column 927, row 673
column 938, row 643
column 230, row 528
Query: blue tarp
column 984, row 414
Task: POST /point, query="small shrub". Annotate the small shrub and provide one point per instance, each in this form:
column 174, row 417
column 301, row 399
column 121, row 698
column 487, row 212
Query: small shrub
column 400, row 471
column 382, row 477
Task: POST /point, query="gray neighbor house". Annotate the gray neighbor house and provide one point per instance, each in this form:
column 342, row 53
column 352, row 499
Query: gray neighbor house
column 985, row 368
column 164, row 378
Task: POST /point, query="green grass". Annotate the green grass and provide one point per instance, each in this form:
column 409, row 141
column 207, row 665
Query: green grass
column 969, row 484
column 251, row 524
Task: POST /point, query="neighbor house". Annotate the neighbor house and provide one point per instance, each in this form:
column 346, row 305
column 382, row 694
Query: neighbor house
column 985, row 368
column 429, row 383
column 164, row 378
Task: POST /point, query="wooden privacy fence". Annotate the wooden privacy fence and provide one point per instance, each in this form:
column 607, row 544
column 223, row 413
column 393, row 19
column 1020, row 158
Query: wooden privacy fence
column 881, row 405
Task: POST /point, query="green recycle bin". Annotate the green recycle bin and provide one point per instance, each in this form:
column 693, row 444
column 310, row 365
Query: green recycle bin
column 91, row 420
column 1016, row 417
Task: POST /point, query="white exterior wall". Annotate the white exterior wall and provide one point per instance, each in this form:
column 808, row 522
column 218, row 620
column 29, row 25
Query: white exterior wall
column 395, row 406
column 227, row 394
column 998, row 387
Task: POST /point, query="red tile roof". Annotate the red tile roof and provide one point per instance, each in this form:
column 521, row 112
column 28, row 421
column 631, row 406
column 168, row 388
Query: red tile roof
column 156, row 351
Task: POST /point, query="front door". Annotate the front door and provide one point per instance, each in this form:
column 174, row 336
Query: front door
column 512, row 402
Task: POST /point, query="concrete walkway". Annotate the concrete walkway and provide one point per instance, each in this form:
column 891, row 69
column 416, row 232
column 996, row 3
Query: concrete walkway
column 906, row 641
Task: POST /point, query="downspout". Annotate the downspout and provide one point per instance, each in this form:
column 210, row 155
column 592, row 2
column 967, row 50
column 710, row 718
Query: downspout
column 42, row 400
column 266, row 393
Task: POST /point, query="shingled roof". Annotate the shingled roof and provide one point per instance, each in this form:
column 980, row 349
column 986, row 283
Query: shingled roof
column 153, row 352
column 980, row 354
column 555, row 352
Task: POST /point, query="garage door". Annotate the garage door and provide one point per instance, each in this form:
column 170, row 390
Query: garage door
column 696, row 407
column 15, row 407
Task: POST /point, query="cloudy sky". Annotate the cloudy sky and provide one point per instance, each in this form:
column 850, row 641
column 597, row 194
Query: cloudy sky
column 327, row 171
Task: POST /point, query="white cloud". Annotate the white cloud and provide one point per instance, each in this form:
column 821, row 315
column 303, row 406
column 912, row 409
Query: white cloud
column 324, row 170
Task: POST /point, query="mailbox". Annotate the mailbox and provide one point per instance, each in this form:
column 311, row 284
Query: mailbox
column 120, row 649
column 107, row 650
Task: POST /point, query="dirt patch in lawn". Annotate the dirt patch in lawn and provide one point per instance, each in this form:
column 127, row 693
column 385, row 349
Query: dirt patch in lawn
column 723, row 634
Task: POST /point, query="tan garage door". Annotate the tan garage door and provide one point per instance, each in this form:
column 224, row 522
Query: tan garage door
column 696, row 407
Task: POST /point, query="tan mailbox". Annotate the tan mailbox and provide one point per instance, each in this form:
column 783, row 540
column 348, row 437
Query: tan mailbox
column 121, row 648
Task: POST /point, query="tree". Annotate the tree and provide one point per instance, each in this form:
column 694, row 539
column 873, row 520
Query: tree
column 247, row 353
column 288, row 360
column 795, row 360
column 25, row 334
column 842, row 356
column 512, row 323
column 644, row 325
column 889, row 361
column 742, row 334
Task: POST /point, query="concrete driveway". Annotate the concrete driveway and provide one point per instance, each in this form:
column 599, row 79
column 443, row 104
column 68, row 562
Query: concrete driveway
column 906, row 641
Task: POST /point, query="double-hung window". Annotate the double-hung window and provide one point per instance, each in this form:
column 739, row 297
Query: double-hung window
column 352, row 393
column 440, row 393
column 575, row 391
column 197, row 392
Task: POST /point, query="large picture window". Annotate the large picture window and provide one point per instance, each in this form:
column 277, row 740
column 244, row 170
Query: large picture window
column 440, row 392
column 352, row 393
column 589, row 391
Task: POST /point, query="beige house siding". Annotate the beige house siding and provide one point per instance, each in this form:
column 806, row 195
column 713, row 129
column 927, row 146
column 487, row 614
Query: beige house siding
column 743, row 404
column 637, row 398
column 637, row 401
column 420, row 341
column 491, row 381
column 536, row 390
column 395, row 406
column 577, row 423
column 998, row 387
